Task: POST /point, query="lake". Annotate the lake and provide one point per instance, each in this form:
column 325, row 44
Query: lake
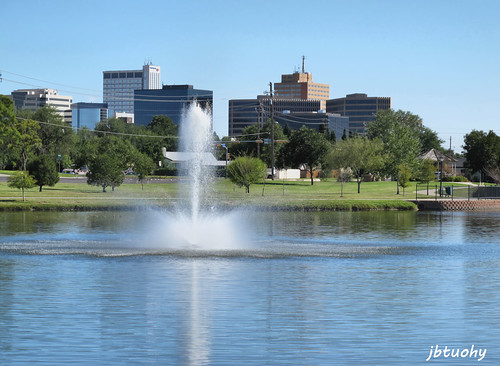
column 339, row 288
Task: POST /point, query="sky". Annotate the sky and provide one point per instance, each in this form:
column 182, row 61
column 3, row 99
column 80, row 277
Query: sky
column 438, row 59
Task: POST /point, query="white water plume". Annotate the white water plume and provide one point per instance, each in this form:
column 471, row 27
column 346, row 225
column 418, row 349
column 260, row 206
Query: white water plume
column 196, row 136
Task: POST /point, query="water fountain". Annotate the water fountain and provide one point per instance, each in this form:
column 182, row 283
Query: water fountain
column 199, row 225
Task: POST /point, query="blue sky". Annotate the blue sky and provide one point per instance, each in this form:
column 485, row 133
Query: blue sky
column 438, row 59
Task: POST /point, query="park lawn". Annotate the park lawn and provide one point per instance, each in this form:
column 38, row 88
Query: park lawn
column 292, row 195
column 321, row 190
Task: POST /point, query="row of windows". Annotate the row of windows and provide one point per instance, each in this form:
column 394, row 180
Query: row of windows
column 361, row 107
column 122, row 75
column 360, row 101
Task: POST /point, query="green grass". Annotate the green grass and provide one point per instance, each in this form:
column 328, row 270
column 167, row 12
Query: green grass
column 300, row 195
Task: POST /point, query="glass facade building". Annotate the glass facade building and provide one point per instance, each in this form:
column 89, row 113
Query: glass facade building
column 316, row 121
column 360, row 109
column 88, row 114
column 248, row 112
column 171, row 101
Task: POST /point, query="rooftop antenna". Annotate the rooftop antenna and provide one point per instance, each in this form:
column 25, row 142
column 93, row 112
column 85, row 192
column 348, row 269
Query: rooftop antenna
column 148, row 62
column 303, row 64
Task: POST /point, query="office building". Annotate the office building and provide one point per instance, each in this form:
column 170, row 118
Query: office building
column 319, row 121
column 88, row 114
column 300, row 85
column 248, row 112
column 119, row 86
column 32, row 99
column 171, row 101
column 360, row 109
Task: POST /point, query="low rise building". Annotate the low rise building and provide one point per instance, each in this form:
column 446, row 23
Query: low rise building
column 171, row 101
column 32, row 99
column 88, row 114
column 360, row 108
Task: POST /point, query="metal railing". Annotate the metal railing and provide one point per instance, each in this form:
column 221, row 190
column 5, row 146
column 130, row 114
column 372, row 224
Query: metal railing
column 447, row 191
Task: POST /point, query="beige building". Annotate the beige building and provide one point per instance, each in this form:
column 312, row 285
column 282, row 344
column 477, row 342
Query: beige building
column 32, row 99
column 300, row 85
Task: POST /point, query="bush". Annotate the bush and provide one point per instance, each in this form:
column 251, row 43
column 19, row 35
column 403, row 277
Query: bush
column 166, row 171
column 460, row 178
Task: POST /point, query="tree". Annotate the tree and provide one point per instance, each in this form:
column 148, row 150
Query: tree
column 107, row 161
column 333, row 137
column 56, row 137
column 482, row 150
column 21, row 180
column 359, row 154
column 251, row 133
column 404, row 176
column 305, row 147
column 429, row 140
column 426, row 172
column 7, row 121
column 398, row 131
column 245, row 170
column 25, row 140
column 143, row 166
column 105, row 169
column 44, row 170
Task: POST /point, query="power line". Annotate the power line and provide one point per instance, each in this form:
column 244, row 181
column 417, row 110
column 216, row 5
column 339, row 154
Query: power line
column 45, row 81
column 98, row 131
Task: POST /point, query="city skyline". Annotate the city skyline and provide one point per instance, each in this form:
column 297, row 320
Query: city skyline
column 434, row 59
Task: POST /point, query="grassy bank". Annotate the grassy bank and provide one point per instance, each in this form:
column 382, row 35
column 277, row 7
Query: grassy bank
column 277, row 195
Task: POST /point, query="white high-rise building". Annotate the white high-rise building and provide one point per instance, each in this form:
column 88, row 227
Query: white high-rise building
column 119, row 86
column 32, row 99
column 151, row 77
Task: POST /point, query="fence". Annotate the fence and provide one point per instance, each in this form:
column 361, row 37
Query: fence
column 448, row 191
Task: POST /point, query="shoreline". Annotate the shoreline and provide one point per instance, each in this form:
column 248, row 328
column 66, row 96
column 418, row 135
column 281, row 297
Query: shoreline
column 305, row 206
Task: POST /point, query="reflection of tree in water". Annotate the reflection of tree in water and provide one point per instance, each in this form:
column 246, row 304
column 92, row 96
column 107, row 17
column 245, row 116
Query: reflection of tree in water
column 482, row 225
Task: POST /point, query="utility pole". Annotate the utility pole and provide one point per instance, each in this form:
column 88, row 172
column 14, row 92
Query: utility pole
column 272, row 128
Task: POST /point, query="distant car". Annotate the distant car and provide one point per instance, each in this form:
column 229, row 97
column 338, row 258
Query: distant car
column 68, row 171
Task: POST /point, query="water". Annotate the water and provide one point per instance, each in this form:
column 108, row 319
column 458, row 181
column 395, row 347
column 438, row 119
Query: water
column 362, row 288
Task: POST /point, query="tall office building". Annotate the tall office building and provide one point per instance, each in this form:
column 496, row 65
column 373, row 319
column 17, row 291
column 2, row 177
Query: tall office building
column 300, row 85
column 171, row 101
column 32, row 99
column 360, row 108
column 119, row 85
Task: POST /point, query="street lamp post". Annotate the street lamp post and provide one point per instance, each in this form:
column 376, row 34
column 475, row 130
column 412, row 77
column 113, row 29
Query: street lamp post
column 441, row 179
column 272, row 129
column 225, row 147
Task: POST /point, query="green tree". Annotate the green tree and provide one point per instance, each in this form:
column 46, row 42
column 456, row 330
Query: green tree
column 56, row 137
column 333, row 137
column 305, row 147
column 251, row 133
column 426, row 172
column 21, row 180
column 85, row 147
column 44, row 170
column 359, row 154
column 143, row 166
column 110, row 156
column 7, row 121
column 25, row 140
column 482, row 150
column 398, row 131
column 429, row 139
column 404, row 176
column 245, row 170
